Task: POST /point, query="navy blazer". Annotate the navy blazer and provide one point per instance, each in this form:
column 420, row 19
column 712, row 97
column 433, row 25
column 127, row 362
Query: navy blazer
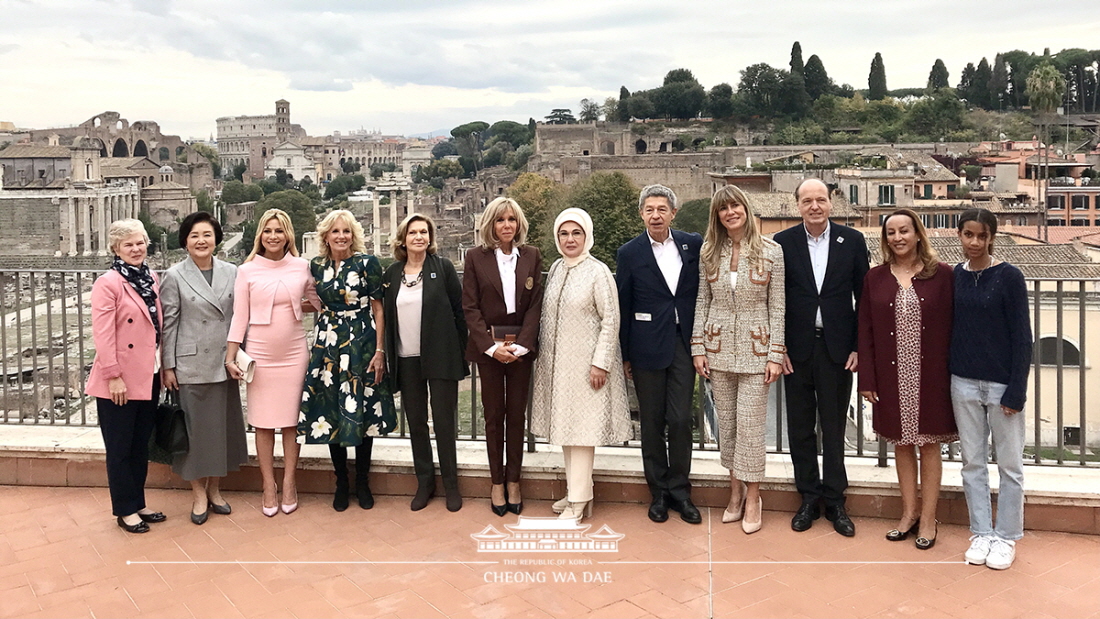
column 839, row 296
column 647, row 332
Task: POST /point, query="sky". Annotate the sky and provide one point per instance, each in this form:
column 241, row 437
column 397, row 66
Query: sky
column 416, row 66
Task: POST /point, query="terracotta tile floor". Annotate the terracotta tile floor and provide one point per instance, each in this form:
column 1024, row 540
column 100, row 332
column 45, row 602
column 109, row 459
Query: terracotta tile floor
column 61, row 555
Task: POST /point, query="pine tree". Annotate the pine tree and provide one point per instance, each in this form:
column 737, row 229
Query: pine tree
column 797, row 66
column 938, row 78
column 876, row 81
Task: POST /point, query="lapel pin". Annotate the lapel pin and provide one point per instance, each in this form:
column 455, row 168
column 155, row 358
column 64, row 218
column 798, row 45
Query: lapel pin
column 433, row 275
column 684, row 246
column 839, row 239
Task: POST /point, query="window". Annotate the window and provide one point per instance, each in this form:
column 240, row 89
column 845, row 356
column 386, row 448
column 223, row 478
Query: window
column 1078, row 222
column 928, row 192
column 1056, row 201
column 1048, row 352
column 853, row 194
column 950, row 191
column 1079, row 202
column 1056, row 221
column 886, row 195
column 288, row 162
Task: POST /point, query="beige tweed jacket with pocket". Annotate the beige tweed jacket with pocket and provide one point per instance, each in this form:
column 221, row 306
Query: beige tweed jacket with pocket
column 740, row 331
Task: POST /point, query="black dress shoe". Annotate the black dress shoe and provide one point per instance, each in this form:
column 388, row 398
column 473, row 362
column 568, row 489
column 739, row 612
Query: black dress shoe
column 688, row 512
column 805, row 516
column 925, row 543
column 515, row 508
column 841, row 522
column 222, row 510
column 140, row 527
column 200, row 518
column 894, row 535
column 153, row 518
column 500, row 510
column 658, row 509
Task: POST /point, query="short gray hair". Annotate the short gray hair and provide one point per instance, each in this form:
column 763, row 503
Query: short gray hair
column 657, row 191
column 123, row 229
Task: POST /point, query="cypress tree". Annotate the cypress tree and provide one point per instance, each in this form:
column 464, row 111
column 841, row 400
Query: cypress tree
column 817, row 80
column 797, row 66
column 998, row 83
column 876, row 81
column 938, row 78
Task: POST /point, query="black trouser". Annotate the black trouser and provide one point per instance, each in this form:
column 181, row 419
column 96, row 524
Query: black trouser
column 504, row 394
column 664, row 400
column 126, row 430
column 444, row 397
column 818, row 390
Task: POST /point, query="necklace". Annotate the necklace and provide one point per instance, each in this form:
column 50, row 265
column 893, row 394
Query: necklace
column 978, row 273
column 408, row 284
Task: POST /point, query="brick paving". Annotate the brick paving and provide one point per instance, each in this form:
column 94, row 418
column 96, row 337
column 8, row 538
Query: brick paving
column 61, row 555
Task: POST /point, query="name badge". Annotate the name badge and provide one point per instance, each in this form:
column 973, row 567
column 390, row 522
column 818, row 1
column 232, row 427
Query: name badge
column 643, row 317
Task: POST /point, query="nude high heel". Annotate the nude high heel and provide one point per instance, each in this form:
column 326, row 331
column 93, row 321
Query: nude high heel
column 577, row 511
column 752, row 527
column 734, row 516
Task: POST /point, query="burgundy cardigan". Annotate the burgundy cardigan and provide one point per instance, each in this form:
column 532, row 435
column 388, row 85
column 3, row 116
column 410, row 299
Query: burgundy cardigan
column 878, row 350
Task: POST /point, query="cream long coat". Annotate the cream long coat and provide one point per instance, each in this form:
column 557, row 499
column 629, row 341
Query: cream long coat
column 580, row 328
column 741, row 331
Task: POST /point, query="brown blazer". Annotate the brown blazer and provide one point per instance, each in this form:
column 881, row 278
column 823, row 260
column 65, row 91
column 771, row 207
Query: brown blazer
column 483, row 300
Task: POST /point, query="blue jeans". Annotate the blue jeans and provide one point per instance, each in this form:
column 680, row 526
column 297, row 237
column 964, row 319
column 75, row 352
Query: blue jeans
column 978, row 414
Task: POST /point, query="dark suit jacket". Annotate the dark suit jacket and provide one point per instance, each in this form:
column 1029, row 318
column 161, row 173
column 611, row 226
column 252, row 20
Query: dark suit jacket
column 442, row 326
column 840, row 292
column 647, row 332
column 483, row 300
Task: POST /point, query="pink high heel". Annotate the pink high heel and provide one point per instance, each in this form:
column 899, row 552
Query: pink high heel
column 271, row 511
column 289, row 508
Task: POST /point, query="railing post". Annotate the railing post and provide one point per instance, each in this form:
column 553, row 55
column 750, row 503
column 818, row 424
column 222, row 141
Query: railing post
column 1037, row 360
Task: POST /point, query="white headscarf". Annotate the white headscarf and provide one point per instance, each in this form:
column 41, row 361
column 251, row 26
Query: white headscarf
column 581, row 218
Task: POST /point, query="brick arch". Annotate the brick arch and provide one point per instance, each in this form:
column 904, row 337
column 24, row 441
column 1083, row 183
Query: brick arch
column 140, row 149
column 120, row 149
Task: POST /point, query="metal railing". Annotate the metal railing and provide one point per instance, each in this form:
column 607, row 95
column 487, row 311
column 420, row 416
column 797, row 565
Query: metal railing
column 46, row 350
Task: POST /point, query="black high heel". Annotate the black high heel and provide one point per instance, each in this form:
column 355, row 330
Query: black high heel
column 895, row 535
column 924, row 543
column 516, row 507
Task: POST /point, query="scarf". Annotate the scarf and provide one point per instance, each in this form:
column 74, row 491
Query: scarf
column 141, row 279
column 581, row 218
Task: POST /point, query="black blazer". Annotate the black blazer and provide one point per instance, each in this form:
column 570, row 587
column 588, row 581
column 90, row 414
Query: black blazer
column 442, row 325
column 647, row 332
column 840, row 292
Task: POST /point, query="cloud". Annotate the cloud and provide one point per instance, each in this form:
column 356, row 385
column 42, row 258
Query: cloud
column 8, row 47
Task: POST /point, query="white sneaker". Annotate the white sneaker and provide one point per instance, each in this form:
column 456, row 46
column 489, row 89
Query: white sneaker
column 1001, row 554
column 979, row 549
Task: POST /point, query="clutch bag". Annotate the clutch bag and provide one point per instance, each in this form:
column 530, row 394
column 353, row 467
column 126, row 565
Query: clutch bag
column 247, row 365
column 505, row 334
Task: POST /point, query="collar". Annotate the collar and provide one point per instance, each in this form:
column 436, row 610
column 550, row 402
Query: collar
column 824, row 235
column 668, row 240
column 503, row 258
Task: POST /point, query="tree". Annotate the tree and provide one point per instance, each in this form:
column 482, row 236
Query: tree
column 239, row 170
column 541, row 200
column 443, row 149
column 965, row 88
column 998, row 83
column 1020, row 64
column 469, row 138
column 938, row 77
column 1045, row 87
column 793, row 96
column 296, row 205
column 211, row 156
column 612, row 202
column 623, row 110
column 269, row 186
column 679, row 75
column 282, row 178
column 610, row 109
column 817, row 79
column 235, row 192
column 876, row 80
column 679, row 99
column 936, row 116
column 590, row 111
column 693, row 216
column 203, row 200
column 760, row 86
column 640, row 106
column 720, row 101
column 509, row 131
column 797, row 65
column 561, row 116
column 344, row 184
column 982, row 75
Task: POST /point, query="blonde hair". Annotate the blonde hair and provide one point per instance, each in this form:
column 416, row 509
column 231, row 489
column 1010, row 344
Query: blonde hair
column 123, row 229
column 752, row 244
column 358, row 242
column 397, row 243
column 261, row 223
column 495, row 210
column 927, row 254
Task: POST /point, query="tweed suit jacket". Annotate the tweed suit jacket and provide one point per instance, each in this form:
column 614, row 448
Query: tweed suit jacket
column 741, row 330
column 197, row 316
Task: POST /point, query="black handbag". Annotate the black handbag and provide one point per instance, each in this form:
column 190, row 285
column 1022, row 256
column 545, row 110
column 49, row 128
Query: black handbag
column 169, row 437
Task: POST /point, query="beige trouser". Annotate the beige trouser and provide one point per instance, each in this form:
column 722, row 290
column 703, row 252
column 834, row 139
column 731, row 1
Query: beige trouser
column 578, row 472
column 741, row 402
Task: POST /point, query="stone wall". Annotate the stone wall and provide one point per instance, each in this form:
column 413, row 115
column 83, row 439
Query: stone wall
column 29, row 226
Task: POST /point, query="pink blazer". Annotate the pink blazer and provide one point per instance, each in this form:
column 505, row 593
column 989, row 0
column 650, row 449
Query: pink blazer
column 255, row 288
column 125, row 338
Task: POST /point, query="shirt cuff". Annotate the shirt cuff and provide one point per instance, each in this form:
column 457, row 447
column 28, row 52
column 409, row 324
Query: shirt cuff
column 492, row 349
column 520, row 350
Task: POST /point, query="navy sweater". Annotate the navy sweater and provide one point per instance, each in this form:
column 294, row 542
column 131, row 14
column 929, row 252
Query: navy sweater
column 991, row 335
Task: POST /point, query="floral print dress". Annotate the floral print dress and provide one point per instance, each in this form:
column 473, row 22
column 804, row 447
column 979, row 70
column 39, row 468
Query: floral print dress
column 340, row 402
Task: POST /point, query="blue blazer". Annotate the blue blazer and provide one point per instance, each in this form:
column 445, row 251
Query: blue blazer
column 647, row 332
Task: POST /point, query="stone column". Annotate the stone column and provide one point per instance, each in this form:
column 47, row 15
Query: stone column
column 393, row 213
column 103, row 225
column 85, row 220
column 377, row 225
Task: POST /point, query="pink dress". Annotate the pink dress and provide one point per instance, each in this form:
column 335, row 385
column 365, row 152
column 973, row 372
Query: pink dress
column 267, row 321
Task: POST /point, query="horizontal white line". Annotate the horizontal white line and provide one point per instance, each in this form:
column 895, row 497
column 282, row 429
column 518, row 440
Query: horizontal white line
column 312, row 562
column 783, row 562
